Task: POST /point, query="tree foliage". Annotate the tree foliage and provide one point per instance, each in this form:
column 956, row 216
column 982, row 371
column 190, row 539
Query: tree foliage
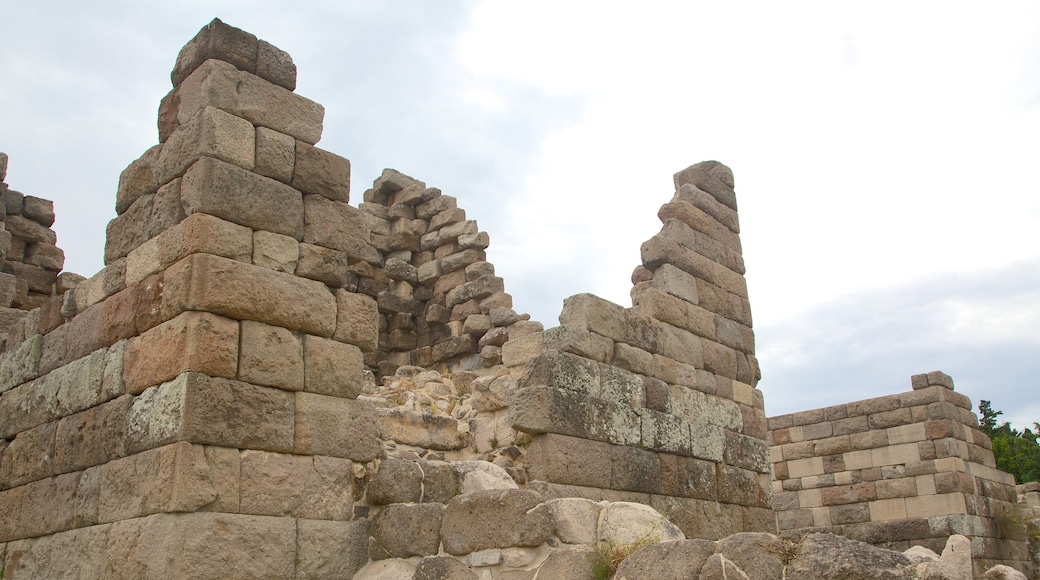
column 1017, row 452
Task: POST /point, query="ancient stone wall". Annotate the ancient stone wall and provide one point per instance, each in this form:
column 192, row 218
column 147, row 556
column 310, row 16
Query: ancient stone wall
column 31, row 259
column 896, row 471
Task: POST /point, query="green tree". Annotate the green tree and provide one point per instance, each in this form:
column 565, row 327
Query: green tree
column 1017, row 452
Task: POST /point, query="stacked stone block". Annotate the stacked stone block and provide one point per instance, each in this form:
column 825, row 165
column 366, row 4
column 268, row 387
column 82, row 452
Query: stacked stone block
column 895, row 471
column 440, row 303
column 29, row 254
column 191, row 411
column 657, row 403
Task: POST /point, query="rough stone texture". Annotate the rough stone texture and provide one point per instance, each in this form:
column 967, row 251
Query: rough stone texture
column 326, row 549
column 336, row 427
column 210, row 133
column 824, row 556
column 495, row 519
column 397, row 481
column 276, row 484
column 193, row 341
column 270, row 356
column 332, row 368
column 404, row 530
column 442, row 568
column 318, row 171
column 674, row 560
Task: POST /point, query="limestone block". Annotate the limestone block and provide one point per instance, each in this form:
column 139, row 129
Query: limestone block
column 420, row 429
column 743, row 487
column 661, row 250
column 691, row 194
column 335, row 427
column 479, row 240
column 275, row 251
column 330, row 549
column 198, row 233
column 243, row 197
column 700, row 221
column 475, row 290
column 218, row 84
column 39, row 279
column 324, row 265
column 202, row 409
column 537, row 410
column 276, row 484
column 613, row 422
column 91, row 437
column 275, row 65
column 270, row 356
column 461, row 260
column 216, row 40
column 71, row 554
column 247, row 292
column 495, row 519
column 473, row 476
column 210, row 133
column 667, row 561
column 403, row 531
column 712, row 177
column 397, row 481
column 275, row 154
column 629, row 523
column 338, row 226
column 171, row 478
column 202, row 545
column 442, row 568
column 46, row 256
column 21, row 363
column 39, row 508
column 569, row 460
column 594, row 314
column 29, row 230
column 193, row 341
column 357, row 320
column 29, row 457
column 320, row 172
column 332, row 368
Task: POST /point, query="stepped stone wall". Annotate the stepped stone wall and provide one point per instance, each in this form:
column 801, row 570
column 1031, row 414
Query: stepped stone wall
column 896, row 471
column 267, row 381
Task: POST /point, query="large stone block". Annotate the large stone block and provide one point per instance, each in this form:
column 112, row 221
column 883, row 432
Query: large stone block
column 420, row 429
column 271, row 356
column 39, row 508
column 172, row 478
column 71, row 554
column 330, row 549
column 193, row 341
column 332, row 367
column 21, row 363
column 698, row 220
column 139, row 178
column 124, row 314
column 403, row 530
column 569, row 460
column 29, row 457
column 335, row 427
column 210, row 133
column 247, row 292
column 495, row 519
column 357, row 320
column 146, row 218
column 202, row 409
column 298, row 486
column 324, row 265
column 339, row 226
column 202, row 545
column 275, row 154
column 594, row 314
column 92, row 437
column 218, row 84
column 197, row 234
column 229, row 192
column 712, row 177
column 318, row 171
column 537, row 410
column 216, row 40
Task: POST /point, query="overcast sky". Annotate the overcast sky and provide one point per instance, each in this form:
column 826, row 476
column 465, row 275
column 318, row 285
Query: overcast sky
column 886, row 154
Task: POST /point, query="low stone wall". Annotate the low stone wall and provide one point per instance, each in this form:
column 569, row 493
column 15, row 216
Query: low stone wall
column 896, row 471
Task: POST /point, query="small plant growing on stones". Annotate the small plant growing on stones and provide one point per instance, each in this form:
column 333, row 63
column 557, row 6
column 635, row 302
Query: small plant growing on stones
column 493, row 442
column 609, row 554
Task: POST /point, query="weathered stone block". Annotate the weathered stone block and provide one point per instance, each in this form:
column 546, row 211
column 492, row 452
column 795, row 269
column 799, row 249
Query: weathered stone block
column 336, row 225
column 139, row 178
column 357, row 320
column 711, row 177
column 537, row 410
column 634, row 469
column 569, row 460
column 335, row 427
column 247, row 292
column 275, row 154
column 397, row 481
column 276, row 484
column 403, row 531
column 91, row 437
column 22, row 363
column 46, row 256
column 210, row 133
column 275, row 251
column 202, row 545
column 495, row 519
column 218, row 84
column 197, row 234
column 270, row 356
column 29, row 457
column 318, row 171
column 594, row 314
column 332, row 368
column 243, row 197
column 327, row 549
column 275, row 65
column 193, row 341
column 202, row 409
column 420, row 429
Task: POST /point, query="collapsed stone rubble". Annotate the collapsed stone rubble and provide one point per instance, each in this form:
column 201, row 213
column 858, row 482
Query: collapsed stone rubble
column 267, row 381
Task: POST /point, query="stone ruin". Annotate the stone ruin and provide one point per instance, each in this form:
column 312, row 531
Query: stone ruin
column 266, row 381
